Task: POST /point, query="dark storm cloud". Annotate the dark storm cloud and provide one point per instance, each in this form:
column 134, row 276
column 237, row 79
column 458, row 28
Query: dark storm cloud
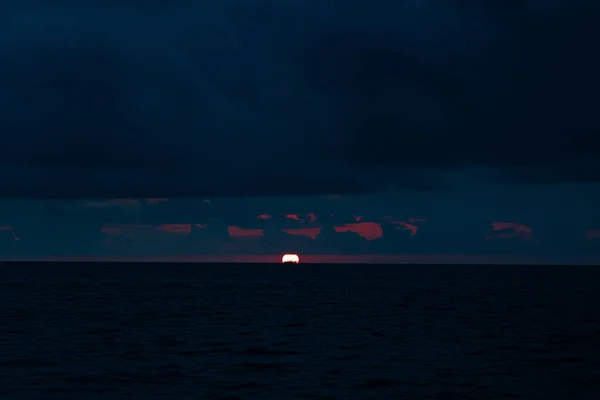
column 531, row 100
column 274, row 98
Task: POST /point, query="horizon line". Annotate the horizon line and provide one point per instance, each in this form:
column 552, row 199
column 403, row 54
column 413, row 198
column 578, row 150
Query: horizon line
column 399, row 259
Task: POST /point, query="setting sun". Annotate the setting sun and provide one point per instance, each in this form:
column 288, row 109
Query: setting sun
column 290, row 258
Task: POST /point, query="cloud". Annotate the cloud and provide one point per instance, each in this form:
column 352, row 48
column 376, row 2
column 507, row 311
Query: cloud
column 410, row 226
column 159, row 201
column 243, row 233
column 113, row 203
column 10, row 230
column 144, row 113
column 114, row 100
column 592, row 234
column 510, row 230
column 367, row 230
column 308, row 232
column 534, row 106
column 500, row 222
column 140, row 230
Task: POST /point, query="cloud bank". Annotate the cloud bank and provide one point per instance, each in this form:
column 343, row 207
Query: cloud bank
column 131, row 98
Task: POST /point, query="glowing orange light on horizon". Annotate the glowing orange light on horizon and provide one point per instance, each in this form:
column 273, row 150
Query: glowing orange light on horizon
column 290, row 258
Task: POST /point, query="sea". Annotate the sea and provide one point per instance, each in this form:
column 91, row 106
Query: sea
column 252, row 331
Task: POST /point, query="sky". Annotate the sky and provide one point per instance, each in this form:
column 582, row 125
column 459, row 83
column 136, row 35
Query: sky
column 346, row 130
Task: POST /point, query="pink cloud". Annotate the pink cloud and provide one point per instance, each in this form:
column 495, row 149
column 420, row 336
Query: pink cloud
column 411, row 226
column 510, row 230
column 178, row 228
column 368, row 230
column 242, row 233
column 413, row 229
column 308, row 232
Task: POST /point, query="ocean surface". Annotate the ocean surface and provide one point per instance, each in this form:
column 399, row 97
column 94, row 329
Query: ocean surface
column 185, row 331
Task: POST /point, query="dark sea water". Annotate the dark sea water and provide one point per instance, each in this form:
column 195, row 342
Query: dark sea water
column 184, row 331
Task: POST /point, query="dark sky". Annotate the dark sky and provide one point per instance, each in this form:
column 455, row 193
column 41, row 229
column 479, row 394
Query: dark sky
column 472, row 115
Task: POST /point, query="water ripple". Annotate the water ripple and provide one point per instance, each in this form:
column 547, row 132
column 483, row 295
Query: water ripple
column 259, row 332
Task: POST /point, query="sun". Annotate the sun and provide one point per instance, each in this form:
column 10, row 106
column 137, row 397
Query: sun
column 290, row 258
